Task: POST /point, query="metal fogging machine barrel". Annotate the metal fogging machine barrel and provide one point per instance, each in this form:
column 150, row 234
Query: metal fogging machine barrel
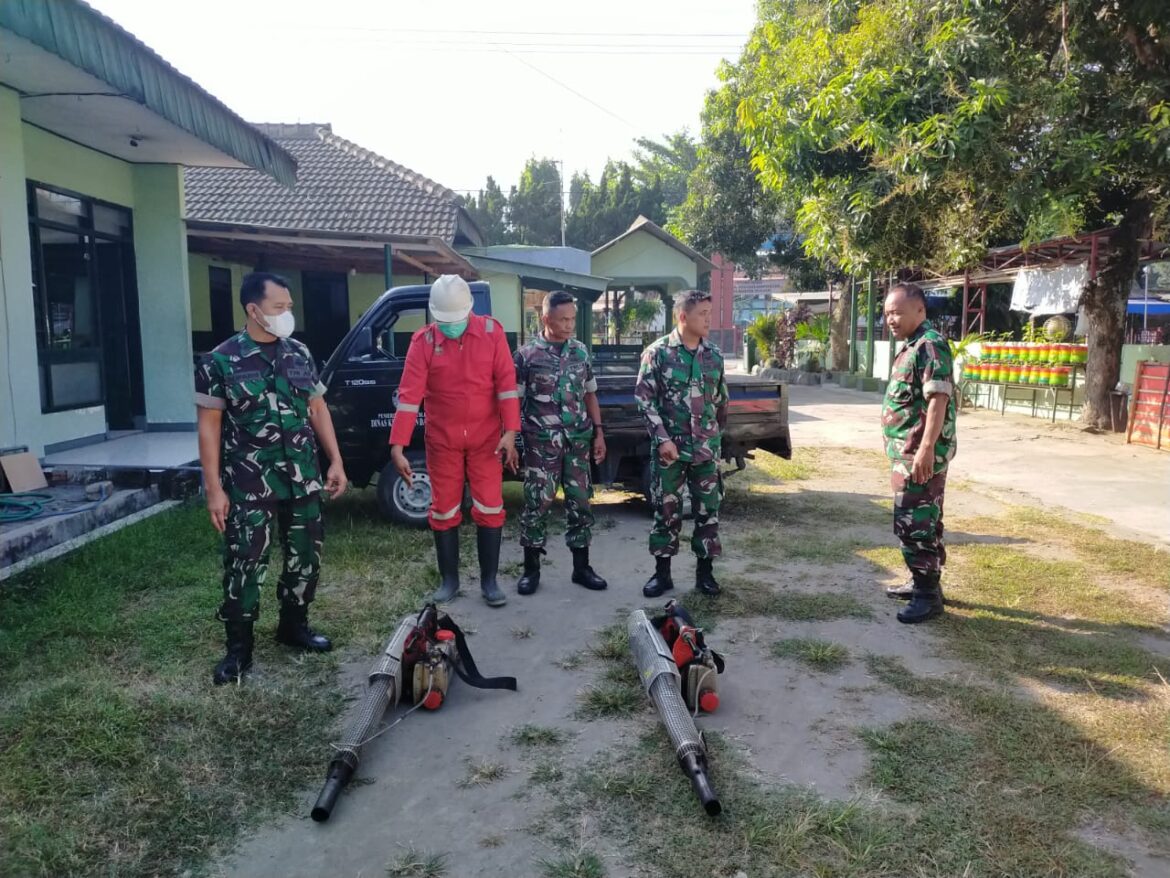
column 414, row 665
column 661, row 678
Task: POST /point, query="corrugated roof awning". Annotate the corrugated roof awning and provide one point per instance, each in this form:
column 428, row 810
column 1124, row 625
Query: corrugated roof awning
column 98, row 47
column 591, row 286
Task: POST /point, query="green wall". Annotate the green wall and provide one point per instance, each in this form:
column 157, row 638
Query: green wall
column 30, row 153
column 164, row 305
column 1132, row 354
column 364, row 290
column 507, row 299
column 62, row 163
column 643, row 259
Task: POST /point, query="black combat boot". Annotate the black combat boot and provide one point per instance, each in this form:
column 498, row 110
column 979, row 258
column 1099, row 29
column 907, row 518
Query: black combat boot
column 660, row 582
column 705, row 578
column 925, row 600
column 239, row 653
column 531, row 579
column 487, row 541
column 583, row 574
column 447, row 554
column 293, row 630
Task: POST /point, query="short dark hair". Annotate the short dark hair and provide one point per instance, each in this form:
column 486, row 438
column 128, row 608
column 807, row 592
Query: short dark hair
column 557, row 298
column 252, row 286
column 910, row 291
column 685, row 302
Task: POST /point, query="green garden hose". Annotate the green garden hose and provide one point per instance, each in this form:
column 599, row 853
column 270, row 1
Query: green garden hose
column 34, row 504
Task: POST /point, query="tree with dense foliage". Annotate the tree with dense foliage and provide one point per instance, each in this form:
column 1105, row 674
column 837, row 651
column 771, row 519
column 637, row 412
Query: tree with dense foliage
column 534, row 205
column 489, row 211
column 920, row 132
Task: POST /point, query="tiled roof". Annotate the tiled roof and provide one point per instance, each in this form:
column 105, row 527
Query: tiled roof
column 340, row 188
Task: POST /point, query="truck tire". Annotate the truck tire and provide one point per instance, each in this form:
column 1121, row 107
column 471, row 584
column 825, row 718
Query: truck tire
column 403, row 503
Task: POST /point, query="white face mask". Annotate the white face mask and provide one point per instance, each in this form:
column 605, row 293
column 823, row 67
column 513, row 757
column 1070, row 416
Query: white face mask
column 281, row 325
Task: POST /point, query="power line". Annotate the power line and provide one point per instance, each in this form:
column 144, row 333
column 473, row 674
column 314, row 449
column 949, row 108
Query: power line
column 574, row 91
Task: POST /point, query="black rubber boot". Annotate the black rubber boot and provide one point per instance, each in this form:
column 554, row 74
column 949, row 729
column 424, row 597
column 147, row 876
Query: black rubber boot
column 660, row 582
column 531, row 579
column 583, row 574
column 705, row 578
column 925, row 601
column 447, row 554
column 239, row 653
column 487, row 541
column 293, row 630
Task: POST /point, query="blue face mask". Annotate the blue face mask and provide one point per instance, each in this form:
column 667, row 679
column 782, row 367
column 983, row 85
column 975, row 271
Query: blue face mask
column 453, row 330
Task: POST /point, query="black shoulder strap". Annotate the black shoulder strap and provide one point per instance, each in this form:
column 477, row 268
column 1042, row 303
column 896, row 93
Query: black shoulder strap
column 466, row 668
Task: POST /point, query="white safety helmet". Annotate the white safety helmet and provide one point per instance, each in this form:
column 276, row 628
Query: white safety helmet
column 450, row 299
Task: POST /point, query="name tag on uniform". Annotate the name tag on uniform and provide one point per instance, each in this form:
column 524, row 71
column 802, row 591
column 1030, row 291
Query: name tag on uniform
column 247, row 375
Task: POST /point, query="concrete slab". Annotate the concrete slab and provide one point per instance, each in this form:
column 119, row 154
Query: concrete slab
column 20, row 542
column 137, row 451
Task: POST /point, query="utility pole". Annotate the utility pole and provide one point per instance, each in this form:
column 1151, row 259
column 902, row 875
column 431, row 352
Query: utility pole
column 561, row 197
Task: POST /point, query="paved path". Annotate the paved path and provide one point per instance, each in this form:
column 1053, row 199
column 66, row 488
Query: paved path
column 1040, row 462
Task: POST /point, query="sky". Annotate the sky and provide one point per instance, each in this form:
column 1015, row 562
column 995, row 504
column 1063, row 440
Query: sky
column 456, row 89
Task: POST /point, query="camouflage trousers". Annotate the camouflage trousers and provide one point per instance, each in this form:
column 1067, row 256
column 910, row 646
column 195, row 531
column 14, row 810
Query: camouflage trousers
column 247, row 540
column 918, row 520
column 706, row 490
column 548, row 464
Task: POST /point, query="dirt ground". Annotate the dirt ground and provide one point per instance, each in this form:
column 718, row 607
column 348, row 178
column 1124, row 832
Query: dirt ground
column 794, row 727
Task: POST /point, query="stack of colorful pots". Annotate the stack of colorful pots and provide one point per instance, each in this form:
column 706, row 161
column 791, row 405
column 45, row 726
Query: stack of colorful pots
column 1027, row 363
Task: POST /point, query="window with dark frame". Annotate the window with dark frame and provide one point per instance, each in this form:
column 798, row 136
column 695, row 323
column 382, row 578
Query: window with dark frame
column 70, row 235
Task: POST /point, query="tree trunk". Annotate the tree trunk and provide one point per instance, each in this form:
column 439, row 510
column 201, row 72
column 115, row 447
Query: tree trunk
column 1104, row 301
column 839, row 331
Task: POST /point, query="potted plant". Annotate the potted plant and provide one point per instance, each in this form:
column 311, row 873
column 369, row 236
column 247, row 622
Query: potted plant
column 813, row 342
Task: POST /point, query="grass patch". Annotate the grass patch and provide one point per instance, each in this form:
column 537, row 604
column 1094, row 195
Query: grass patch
column 743, row 597
column 482, row 772
column 610, row 699
column 820, row 655
column 521, row 633
column 582, row 864
column 112, row 754
column 611, row 643
column 417, row 864
column 538, row 736
column 1103, row 554
column 491, row 841
column 547, row 771
column 570, row 662
column 763, row 831
column 1003, row 781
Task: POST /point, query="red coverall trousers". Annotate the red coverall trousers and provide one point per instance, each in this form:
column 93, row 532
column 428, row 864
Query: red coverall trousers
column 469, row 387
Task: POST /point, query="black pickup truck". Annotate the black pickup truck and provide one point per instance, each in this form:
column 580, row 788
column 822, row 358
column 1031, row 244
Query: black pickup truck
column 362, row 378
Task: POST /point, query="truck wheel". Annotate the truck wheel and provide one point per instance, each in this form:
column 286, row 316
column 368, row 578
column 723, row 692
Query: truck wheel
column 403, row 503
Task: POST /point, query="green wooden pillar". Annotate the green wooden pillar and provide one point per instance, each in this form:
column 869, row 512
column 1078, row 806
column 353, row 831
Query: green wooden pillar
column 585, row 320
column 852, row 324
column 388, row 265
column 870, row 313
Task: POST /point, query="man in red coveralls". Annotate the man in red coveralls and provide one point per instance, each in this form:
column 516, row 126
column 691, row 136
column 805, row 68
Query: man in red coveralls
column 461, row 367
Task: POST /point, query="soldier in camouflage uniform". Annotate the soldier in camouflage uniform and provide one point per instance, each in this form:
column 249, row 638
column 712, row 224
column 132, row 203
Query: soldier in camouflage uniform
column 561, row 425
column 918, row 425
column 261, row 412
column 682, row 394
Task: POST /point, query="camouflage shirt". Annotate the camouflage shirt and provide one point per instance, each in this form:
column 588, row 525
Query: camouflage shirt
column 683, row 396
column 922, row 368
column 269, row 447
column 552, row 380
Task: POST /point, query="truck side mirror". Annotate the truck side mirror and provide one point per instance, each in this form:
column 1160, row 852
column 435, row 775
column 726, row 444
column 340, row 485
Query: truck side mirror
column 363, row 344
